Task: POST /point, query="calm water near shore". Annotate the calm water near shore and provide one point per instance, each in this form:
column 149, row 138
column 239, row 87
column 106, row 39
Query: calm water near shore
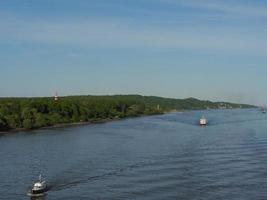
column 148, row 158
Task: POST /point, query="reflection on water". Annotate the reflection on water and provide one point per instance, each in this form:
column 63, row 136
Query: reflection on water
column 158, row 157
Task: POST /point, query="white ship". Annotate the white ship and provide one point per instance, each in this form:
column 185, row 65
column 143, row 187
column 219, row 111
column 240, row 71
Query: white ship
column 263, row 109
column 39, row 188
column 203, row 121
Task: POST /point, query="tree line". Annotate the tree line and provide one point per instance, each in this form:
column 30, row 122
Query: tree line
column 31, row 113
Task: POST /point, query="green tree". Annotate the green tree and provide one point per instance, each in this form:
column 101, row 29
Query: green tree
column 3, row 124
column 28, row 124
column 29, row 116
column 41, row 121
column 14, row 120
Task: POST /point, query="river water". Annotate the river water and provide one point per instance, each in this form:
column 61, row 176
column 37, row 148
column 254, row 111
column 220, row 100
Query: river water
column 156, row 157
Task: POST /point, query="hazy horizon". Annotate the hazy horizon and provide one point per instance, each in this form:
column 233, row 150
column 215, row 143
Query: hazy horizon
column 205, row 49
column 77, row 95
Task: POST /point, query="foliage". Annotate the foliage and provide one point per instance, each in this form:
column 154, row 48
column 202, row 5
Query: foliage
column 30, row 113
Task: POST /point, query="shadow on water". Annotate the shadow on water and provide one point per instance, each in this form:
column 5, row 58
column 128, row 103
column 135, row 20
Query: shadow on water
column 38, row 198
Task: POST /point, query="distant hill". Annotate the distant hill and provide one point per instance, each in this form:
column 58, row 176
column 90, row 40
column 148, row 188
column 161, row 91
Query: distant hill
column 31, row 113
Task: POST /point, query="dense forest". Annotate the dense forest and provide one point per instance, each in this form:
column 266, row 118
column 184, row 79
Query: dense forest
column 31, row 113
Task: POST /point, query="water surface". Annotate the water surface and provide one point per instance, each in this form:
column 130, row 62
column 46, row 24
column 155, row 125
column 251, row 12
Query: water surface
column 156, row 157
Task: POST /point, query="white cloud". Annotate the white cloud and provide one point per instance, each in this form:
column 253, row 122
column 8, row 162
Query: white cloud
column 110, row 33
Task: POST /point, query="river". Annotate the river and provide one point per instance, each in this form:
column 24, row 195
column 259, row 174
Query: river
column 148, row 158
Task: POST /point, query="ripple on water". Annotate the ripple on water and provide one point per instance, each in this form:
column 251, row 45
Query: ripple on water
column 158, row 157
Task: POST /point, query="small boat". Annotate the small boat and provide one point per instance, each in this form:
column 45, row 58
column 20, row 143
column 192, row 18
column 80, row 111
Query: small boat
column 263, row 109
column 203, row 121
column 39, row 188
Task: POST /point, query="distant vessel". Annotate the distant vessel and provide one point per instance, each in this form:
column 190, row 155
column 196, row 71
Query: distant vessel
column 39, row 188
column 203, row 121
column 263, row 109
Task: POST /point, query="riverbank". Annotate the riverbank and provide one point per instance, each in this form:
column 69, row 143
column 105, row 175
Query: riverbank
column 73, row 124
column 20, row 114
column 64, row 125
column 99, row 121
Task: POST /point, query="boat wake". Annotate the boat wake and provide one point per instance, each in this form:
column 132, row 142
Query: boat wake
column 73, row 179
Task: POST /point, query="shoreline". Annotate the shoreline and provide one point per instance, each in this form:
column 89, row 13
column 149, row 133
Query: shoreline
column 100, row 121
column 73, row 124
column 28, row 114
column 58, row 126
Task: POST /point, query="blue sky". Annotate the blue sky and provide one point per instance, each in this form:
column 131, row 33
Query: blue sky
column 207, row 49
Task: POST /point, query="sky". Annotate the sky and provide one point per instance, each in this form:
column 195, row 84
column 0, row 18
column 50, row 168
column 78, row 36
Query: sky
column 207, row 49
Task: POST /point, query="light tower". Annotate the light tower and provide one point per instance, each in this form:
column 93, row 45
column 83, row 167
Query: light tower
column 56, row 97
